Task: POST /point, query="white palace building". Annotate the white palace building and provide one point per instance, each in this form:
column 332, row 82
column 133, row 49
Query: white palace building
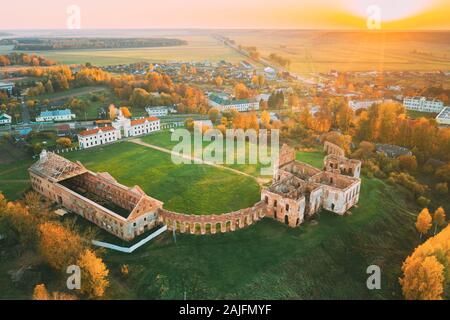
column 121, row 127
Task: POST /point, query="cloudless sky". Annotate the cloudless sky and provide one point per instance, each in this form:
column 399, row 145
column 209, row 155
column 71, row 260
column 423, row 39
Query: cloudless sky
column 310, row 14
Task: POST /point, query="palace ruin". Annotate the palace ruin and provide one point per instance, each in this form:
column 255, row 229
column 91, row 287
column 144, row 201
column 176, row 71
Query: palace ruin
column 297, row 193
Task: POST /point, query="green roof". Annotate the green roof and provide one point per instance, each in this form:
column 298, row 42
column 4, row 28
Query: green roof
column 226, row 102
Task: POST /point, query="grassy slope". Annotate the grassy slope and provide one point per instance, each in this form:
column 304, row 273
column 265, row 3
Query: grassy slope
column 269, row 260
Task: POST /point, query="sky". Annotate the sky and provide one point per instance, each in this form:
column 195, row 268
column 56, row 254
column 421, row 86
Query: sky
column 217, row 14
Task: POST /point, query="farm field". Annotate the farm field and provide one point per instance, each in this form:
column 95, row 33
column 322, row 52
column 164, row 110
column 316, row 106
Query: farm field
column 322, row 51
column 200, row 47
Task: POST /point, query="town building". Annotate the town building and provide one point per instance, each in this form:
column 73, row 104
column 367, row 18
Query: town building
column 56, row 115
column 161, row 111
column 7, row 86
column 363, row 104
column 423, row 104
column 299, row 191
column 136, row 127
column 122, row 211
column 5, row 119
column 392, row 151
column 444, row 116
column 98, row 136
column 223, row 103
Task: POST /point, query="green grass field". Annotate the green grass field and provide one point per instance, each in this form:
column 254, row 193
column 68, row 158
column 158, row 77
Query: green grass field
column 194, row 189
column 272, row 261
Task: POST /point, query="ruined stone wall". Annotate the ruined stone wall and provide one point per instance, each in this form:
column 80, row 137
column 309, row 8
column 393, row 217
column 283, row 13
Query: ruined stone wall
column 342, row 165
column 287, row 154
column 285, row 210
column 331, row 148
column 212, row 224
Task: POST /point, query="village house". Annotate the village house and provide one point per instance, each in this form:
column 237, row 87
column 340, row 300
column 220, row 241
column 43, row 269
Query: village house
column 223, row 103
column 423, row 104
column 5, row 119
column 98, row 136
column 136, row 127
column 7, row 87
column 56, row 115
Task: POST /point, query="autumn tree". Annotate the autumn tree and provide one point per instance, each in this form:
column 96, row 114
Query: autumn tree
column 59, row 246
column 408, row 163
column 64, row 142
column 112, row 112
column 213, row 114
column 265, row 119
column 218, row 81
column 438, row 218
column 40, row 292
column 423, row 279
column 423, row 223
column 126, row 112
column 94, row 274
column 241, row 91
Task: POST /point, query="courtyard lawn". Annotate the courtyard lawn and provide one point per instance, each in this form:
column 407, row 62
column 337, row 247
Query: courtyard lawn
column 272, row 261
column 193, row 189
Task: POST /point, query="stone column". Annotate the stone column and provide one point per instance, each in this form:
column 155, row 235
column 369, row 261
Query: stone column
column 223, row 227
column 203, row 228
column 192, row 228
column 233, row 226
column 213, row 228
column 241, row 222
column 182, row 227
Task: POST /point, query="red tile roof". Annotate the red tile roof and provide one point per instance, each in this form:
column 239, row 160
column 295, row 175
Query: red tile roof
column 142, row 121
column 95, row 131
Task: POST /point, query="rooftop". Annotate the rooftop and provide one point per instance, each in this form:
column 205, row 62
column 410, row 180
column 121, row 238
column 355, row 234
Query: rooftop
column 53, row 113
column 95, row 131
column 445, row 114
column 143, row 120
column 222, row 101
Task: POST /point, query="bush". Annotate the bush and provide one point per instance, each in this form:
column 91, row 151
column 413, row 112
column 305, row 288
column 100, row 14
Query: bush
column 423, row 202
column 442, row 188
column 409, row 182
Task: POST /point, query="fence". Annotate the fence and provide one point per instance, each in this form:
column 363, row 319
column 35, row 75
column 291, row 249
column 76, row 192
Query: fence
column 132, row 248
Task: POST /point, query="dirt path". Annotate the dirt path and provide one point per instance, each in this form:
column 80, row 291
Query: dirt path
column 138, row 141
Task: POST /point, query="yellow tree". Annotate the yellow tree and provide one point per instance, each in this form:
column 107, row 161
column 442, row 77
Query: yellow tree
column 59, row 246
column 423, row 223
column 241, row 91
column 219, row 81
column 40, row 292
column 94, row 274
column 213, row 114
column 438, row 218
column 112, row 112
column 265, row 119
column 126, row 112
column 423, row 279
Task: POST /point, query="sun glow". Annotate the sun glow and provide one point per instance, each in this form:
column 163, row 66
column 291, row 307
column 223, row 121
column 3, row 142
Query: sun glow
column 391, row 10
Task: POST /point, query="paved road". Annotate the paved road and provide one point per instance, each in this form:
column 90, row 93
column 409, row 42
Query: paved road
column 138, row 141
